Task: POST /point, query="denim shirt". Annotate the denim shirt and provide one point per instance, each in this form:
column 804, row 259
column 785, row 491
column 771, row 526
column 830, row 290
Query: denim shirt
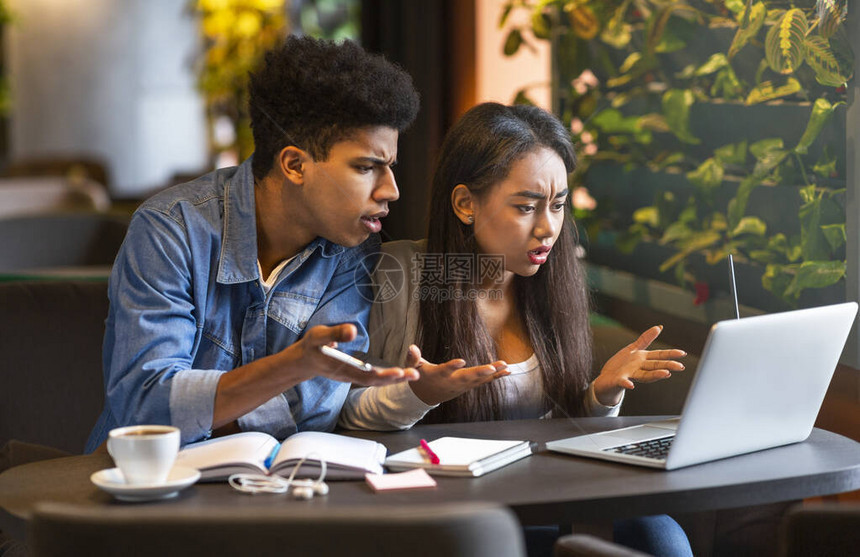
column 186, row 306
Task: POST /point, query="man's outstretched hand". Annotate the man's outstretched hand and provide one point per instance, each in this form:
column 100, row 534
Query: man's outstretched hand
column 316, row 363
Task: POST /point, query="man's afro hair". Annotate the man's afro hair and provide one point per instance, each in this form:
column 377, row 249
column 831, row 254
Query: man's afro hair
column 312, row 93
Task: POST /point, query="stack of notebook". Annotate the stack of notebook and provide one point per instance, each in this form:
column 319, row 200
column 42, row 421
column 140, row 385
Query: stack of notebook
column 459, row 456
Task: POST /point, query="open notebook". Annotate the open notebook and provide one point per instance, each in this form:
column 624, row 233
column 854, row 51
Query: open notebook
column 260, row 453
column 760, row 384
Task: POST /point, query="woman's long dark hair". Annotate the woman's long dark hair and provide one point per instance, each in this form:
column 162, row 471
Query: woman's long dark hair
column 479, row 152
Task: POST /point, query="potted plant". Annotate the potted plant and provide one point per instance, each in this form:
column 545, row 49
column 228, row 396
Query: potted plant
column 235, row 35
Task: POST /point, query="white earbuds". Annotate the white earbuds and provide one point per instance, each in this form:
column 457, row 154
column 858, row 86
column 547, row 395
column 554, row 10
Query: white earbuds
column 306, row 489
column 301, row 489
column 303, row 493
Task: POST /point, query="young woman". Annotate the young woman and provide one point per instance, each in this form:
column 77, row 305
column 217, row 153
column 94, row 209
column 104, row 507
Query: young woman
column 499, row 281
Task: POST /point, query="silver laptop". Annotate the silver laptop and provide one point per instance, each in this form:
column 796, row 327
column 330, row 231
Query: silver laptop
column 760, row 384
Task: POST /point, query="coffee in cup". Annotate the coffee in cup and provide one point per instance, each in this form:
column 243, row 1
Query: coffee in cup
column 144, row 453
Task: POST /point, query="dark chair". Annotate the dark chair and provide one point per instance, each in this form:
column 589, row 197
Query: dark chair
column 822, row 530
column 60, row 240
column 46, row 194
column 73, row 168
column 461, row 530
column 584, row 545
column 51, row 386
column 807, row 530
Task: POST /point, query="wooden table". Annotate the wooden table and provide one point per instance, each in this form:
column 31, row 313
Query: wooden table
column 546, row 488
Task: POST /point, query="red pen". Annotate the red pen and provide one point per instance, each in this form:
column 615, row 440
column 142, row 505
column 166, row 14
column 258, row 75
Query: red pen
column 429, row 452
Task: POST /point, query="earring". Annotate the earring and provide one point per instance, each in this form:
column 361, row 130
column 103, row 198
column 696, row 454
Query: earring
column 471, row 219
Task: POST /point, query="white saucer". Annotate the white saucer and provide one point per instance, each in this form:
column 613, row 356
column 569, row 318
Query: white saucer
column 112, row 481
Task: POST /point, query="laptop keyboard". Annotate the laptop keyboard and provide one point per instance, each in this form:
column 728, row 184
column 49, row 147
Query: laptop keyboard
column 653, row 448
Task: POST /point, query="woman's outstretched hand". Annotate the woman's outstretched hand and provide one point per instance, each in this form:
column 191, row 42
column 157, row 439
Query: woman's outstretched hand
column 635, row 364
column 441, row 382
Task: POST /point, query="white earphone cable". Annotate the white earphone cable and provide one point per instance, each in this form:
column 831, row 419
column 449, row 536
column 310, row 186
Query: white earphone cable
column 258, row 483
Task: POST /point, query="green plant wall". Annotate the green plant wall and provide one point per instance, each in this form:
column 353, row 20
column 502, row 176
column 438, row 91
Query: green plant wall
column 706, row 127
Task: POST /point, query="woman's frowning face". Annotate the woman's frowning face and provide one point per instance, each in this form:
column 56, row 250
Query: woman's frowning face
column 522, row 216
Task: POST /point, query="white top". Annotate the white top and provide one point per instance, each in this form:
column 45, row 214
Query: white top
column 523, row 390
column 269, row 282
column 393, row 328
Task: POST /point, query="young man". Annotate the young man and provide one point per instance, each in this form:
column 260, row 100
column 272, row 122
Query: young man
column 226, row 287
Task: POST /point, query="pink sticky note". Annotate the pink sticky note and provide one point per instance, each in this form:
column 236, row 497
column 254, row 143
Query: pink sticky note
column 413, row 479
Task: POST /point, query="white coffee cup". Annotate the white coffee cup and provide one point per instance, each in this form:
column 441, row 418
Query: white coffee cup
column 144, row 453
